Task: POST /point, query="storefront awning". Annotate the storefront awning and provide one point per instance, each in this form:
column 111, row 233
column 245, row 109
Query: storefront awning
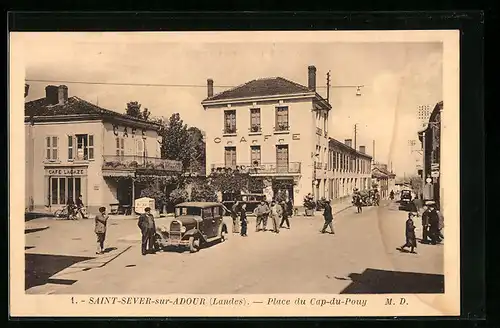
column 115, row 173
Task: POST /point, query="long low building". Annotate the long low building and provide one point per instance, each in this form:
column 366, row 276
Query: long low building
column 348, row 168
column 74, row 147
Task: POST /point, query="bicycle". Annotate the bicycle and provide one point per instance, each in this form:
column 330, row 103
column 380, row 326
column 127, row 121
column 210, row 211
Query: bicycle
column 64, row 214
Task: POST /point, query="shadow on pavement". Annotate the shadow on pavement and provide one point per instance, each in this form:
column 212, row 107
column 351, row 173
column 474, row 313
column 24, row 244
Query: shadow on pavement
column 34, row 215
column 40, row 267
column 373, row 281
column 35, row 229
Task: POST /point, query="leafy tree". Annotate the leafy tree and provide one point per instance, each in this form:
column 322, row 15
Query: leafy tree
column 416, row 183
column 198, row 149
column 133, row 109
column 156, row 193
column 145, row 114
column 178, row 196
column 203, row 192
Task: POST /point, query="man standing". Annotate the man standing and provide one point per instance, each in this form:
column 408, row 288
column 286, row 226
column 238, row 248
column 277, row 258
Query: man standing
column 425, row 224
column 328, row 218
column 434, row 225
column 80, row 207
column 148, row 230
column 100, row 229
column 286, row 213
column 276, row 212
column 260, row 211
column 411, row 241
column 234, row 216
column 244, row 220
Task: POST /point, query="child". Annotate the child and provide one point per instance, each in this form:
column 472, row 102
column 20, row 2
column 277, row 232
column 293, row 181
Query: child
column 411, row 240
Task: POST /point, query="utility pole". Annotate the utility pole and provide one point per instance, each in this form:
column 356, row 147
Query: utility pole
column 328, row 87
column 355, row 134
column 373, row 151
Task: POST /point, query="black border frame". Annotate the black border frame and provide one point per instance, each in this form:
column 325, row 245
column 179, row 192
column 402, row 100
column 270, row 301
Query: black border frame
column 472, row 129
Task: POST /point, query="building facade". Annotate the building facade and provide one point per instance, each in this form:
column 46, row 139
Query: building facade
column 430, row 138
column 275, row 129
column 384, row 179
column 348, row 168
column 76, row 148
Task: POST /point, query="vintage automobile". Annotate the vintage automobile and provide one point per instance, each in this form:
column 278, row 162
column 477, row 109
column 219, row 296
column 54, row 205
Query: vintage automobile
column 251, row 200
column 406, row 199
column 194, row 225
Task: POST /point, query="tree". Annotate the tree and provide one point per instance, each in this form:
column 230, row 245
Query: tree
column 178, row 196
column 145, row 114
column 133, row 109
column 416, row 183
column 198, row 149
column 203, row 192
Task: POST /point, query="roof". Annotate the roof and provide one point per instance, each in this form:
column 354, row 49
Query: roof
column 340, row 144
column 74, row 107
column 260, row 88
column 379, row 175
column 198, row 204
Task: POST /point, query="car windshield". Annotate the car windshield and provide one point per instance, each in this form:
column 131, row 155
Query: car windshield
column 187, row 211
column 405, row 193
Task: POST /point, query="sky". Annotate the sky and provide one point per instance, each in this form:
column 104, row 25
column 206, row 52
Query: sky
column 397, row 77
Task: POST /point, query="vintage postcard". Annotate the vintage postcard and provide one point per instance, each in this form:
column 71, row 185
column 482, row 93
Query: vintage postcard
column 235, row 174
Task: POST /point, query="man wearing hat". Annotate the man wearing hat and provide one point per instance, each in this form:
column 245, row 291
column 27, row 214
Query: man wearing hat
column 148, row 230
column 433, row 223
column 426, row 221
column 100, row 229
column 328, row 215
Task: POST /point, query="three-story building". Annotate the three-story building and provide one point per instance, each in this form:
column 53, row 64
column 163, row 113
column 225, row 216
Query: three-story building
column 74, row 147
column 273, row 128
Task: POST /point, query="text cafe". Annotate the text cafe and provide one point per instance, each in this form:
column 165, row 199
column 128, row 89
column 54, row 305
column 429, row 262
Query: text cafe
column 63, row 183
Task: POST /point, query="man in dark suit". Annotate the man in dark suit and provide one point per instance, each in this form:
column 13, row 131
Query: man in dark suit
column 328, row 217
column 148, row 230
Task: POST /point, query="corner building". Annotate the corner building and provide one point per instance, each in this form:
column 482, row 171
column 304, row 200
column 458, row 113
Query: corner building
column 274, row 128
column 74, row 148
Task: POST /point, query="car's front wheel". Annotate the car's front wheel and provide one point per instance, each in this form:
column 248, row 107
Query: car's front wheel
column 194, row 244
column 223, row 236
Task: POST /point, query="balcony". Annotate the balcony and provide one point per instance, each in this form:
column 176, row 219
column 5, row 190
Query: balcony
column 318, row 165
column 290, row 168
column 319, row 131
column 282, row 128
column 115, row 165
column 229, row 130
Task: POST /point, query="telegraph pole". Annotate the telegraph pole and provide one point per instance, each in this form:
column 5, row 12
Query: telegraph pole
column 355, row 134
column 328, row 87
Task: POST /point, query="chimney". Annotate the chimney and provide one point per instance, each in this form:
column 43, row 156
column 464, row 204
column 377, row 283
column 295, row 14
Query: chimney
column 362, row 149
column 210, row 88
column 62, row 94
column 51, row 95
column 312, row 78
column 348, row 142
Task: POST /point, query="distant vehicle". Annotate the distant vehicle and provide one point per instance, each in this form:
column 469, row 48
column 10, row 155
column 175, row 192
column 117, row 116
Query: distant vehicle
column 251, row 200
column 406, row 199
column 195, row 224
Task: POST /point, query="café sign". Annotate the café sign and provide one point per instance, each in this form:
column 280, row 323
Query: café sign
column 66, row 171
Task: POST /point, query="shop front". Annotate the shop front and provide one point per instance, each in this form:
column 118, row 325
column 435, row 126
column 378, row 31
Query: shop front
column 64, row 183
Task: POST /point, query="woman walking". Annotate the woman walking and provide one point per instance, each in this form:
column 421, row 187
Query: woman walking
column 411, row 240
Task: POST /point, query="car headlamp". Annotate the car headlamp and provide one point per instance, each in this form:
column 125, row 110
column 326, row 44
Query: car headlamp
column 163, row 229
column 183, row 229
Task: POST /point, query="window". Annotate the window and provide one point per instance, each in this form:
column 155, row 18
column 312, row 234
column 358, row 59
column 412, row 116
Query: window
column 229, row 121
column 255, row 120
column 255, row 155
column 230, row 156
column 140, row 148
column 120, row 147
column 334, row 164
column 216, row 211
column 63, row 188
column 207, row 213
column 51, row 147
column 281, row 119
column 70, row 147
column 84, row 147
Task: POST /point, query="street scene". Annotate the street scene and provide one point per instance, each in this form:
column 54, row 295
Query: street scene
column 155, row 167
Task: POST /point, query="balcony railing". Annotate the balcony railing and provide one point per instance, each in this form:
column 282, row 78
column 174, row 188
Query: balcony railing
column 319, row 131
column 283, row 127
column 133, row 163
column 262, row 168
column 229, row 129
column 318, row 165
column 255, row 129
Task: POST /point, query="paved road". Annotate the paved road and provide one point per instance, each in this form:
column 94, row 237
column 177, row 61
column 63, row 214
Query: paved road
column 361, row 257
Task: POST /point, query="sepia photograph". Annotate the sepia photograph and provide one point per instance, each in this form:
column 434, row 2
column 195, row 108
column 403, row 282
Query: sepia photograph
column 253, row 173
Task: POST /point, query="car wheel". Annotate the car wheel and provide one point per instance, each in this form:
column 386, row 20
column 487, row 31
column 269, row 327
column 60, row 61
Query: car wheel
column 223, row 236
column 194, row 244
